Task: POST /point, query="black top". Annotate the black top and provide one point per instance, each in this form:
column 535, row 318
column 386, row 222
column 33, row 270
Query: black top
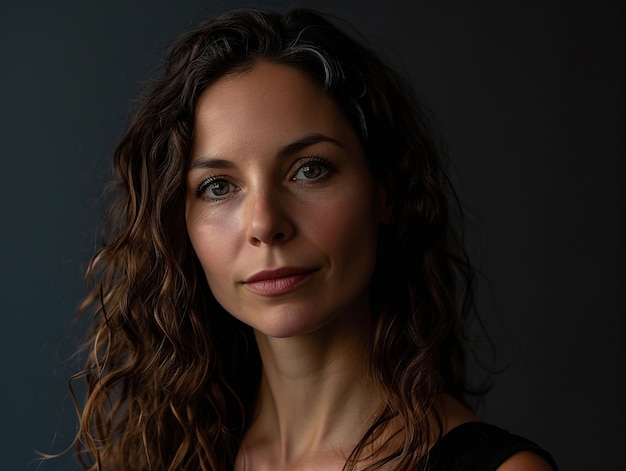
column 476, row 446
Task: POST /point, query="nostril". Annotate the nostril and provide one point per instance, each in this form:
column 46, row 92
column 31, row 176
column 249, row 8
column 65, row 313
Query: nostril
column 278, row 236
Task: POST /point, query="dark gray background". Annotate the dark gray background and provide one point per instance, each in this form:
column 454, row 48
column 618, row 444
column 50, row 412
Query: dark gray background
column 530, row 96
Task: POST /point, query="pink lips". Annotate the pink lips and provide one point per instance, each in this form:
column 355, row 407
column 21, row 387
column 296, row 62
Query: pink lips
column 277, row 282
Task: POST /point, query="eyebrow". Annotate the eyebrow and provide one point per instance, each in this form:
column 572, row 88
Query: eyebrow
column 289, row 149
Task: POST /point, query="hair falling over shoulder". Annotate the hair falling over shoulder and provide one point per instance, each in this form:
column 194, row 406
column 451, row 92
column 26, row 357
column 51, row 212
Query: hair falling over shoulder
column 171, row 377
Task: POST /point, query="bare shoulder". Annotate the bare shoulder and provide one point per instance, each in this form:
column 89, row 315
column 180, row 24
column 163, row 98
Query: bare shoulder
column 525, row 461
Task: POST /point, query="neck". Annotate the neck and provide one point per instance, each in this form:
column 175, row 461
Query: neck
column 314, row 396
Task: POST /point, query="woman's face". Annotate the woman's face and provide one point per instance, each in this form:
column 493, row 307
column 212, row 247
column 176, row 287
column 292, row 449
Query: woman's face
column 282, row 209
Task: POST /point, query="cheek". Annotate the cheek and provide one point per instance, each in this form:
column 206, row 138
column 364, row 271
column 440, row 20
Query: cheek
column 213, row 242
column 349, row 228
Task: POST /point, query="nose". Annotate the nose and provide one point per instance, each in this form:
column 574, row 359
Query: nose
column 268, row 219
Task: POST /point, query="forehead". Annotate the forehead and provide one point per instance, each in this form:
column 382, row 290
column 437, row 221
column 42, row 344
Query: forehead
column 262, row 82
column 269, row 103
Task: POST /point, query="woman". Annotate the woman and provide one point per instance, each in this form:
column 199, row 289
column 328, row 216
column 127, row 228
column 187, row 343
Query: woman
column 281, row 285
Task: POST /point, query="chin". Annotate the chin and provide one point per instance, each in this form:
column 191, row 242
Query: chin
column 303, row 316
column 287, row 325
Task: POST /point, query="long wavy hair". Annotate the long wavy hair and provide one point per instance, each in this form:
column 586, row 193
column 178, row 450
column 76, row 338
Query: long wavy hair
column 171, row 377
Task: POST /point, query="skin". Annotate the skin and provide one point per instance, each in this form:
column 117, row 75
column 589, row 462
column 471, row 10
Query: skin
column 278, row 179
column 263, row 142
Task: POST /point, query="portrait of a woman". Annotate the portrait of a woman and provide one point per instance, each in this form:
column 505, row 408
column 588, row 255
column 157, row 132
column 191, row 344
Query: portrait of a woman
column 322, row 236
column 282, row 286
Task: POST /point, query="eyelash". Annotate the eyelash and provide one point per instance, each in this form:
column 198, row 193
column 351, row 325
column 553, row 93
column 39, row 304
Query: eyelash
column 328, row 167
column 300, row 164
column 202, row 187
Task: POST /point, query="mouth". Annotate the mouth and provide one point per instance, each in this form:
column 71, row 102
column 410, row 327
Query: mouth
column 279, row 281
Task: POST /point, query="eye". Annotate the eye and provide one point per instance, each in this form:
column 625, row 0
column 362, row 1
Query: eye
column 312, row 169
column 215, row 189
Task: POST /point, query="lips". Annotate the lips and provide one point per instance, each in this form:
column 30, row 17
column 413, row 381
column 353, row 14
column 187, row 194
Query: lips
column 279, row 281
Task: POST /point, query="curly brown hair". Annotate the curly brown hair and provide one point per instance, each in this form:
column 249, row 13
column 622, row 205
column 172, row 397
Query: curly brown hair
column 171, row 377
